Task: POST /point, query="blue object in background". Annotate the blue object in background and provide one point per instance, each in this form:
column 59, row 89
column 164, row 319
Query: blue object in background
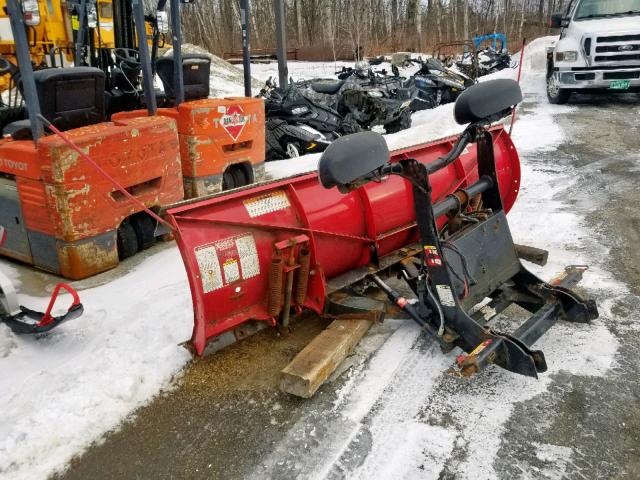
column 494, row 37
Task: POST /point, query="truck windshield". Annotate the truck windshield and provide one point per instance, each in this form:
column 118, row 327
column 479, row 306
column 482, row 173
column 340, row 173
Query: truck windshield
column 607, row 8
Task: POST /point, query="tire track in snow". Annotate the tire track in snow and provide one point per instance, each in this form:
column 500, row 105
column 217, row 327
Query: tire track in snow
column 393, row 384
column 390, row 419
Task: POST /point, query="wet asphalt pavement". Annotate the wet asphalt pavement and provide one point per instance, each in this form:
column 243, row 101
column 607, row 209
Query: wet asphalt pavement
column 225, row 417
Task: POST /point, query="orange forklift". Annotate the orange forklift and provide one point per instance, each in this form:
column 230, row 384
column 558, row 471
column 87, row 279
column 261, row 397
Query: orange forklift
column 222, row 140
column 60, row 213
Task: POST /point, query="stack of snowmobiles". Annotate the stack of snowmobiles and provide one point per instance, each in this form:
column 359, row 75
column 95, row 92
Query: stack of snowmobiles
column 296, row 123
column 435, row 84
column 306, row 116
column 488, row 60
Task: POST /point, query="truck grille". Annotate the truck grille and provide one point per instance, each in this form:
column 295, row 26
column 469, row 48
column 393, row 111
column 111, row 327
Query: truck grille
column 612, row 49
column 620, row 75
column 619, row 38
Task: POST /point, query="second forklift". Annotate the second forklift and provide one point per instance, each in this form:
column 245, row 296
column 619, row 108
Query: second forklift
column 222, row 140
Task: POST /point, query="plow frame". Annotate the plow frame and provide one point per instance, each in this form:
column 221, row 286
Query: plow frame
column 480, row 262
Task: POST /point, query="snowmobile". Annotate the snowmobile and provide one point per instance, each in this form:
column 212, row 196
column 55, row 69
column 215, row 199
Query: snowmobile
column 364, row 73
column 487, row 61
column 423, row 91
column 438, row 84
column 494, row 56
column 491, row 60
column 370, row 97
column 22, row 320
column 296, row 123
column 286, row 140
column 371, row 105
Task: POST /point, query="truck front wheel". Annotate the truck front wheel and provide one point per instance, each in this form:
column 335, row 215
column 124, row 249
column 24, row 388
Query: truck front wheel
column 555, row 94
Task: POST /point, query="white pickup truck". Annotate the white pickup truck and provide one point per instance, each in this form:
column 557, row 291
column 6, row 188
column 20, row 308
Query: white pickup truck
column 598, row 49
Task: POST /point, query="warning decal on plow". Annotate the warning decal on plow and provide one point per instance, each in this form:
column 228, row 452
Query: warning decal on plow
column 248, row 256
column 269, row 203
column 227, row 261
column 209, row 268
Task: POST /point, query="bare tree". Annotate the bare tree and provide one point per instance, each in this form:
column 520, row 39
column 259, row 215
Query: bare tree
column 348, row 28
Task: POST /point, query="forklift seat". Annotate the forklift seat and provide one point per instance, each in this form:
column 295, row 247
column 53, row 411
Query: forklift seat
column 195, row 71
column 69, row 98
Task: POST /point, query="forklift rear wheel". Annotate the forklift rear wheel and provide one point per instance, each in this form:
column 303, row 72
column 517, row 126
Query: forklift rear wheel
column 144, row 227
column 239, row 176
column 228, row 181
column 127, row 240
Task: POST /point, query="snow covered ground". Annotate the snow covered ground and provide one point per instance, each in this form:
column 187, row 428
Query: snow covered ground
column 60, row 393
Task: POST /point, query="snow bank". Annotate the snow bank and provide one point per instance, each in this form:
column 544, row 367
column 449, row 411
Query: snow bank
column 226, row 79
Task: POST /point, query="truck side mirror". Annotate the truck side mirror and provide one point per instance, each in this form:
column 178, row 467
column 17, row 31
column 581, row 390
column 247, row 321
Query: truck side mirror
column 558, row 20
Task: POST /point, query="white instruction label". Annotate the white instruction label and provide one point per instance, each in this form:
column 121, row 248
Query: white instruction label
column 209, row 267
column 445, row 295
column 248, row 256
column 269, row 203
column 227, row 261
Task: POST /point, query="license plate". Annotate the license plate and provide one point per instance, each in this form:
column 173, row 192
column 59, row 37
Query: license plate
column 619, row 85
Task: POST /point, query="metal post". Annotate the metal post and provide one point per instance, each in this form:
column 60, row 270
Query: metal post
column 29, row 91
column 143, row 51
column 176, row 40
column 281, row 43
column 156, row 37
column 246, row 48
column 82, row 28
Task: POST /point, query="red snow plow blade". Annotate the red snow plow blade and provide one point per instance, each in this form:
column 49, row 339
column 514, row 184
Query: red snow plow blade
column 255, row 253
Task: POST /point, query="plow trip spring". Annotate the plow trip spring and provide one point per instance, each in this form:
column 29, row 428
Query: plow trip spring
column 264, row 253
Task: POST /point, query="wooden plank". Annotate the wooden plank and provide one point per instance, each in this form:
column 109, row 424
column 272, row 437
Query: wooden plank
column 313, row 365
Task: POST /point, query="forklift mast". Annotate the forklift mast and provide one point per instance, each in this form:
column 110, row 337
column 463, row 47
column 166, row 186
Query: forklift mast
column 123, row 24
column 176, row 40
column 29, row 93
column 143, row 53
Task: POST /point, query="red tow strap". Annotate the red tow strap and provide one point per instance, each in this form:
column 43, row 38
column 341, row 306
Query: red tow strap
column 102, row 172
